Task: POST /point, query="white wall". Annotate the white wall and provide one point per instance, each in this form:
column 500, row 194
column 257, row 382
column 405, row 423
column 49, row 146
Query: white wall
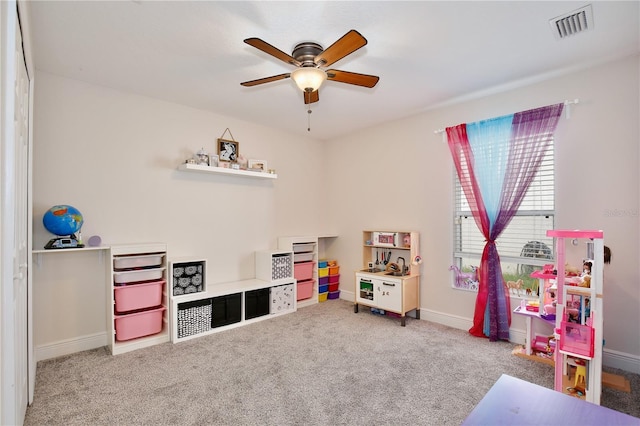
column 399, row 176
column 114, row 156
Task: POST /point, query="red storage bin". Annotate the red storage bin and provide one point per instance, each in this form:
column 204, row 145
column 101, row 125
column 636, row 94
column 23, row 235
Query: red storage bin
column 305, row 289
column 138, row 296
column 303, row 270
column 138, row 324
column 334, row 279
column 334, row 286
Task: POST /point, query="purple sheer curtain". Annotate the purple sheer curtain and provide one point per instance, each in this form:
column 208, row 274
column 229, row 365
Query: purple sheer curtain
column 530, row 136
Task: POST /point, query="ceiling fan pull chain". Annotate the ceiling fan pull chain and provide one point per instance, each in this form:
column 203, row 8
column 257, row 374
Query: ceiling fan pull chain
column 307, row 98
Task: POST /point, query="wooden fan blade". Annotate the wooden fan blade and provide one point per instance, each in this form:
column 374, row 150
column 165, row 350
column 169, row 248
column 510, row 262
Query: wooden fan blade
column 311, row 97
column 348, row 43
column 265, row 80
column 364, row 80
column 273, row 51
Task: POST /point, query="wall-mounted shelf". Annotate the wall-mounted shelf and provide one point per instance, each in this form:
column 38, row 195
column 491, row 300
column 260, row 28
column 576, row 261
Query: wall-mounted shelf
column 67, row 250
column 185, row 167
column 38, row 253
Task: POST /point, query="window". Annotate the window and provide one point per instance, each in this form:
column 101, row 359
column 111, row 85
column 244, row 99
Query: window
column 523, row 246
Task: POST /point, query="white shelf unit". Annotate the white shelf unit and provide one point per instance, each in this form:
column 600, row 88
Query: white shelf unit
column 595, row 254
column 193, row 314
column 186, row 167
column 305, row 248
column 132, row 255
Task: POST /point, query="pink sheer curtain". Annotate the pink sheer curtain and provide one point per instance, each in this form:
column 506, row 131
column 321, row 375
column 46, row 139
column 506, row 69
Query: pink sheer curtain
column 512, row 162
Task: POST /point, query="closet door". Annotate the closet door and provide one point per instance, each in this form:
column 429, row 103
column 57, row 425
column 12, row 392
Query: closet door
column 20, row 249
column 15, row 248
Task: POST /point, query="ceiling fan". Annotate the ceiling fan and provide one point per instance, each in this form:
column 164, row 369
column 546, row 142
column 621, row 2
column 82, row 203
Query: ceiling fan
column 310, row 58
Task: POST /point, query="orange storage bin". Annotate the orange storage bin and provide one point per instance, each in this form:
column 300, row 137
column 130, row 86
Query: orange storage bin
column 334, row 270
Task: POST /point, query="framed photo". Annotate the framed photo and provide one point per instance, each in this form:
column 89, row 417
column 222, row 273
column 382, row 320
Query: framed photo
column 228, row 150
column 258, row 164
column 213, row 160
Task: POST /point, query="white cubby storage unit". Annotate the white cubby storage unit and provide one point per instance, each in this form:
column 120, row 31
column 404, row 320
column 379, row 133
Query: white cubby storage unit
column 582, row 338
column 137, row 295
column 228, row 305
column 305, row 258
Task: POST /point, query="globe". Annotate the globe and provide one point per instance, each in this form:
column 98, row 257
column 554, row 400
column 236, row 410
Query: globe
column 63, row 220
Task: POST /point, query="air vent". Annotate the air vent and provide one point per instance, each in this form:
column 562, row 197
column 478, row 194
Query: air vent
column 571, row 23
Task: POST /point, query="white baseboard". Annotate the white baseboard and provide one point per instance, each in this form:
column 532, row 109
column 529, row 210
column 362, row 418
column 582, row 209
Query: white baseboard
column 621, row 360
column 610, row 358
column 70, row 346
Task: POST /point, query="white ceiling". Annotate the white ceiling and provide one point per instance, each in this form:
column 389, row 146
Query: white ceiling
column 426, row 52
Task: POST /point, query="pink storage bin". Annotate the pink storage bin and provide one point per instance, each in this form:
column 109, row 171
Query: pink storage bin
column 334, row 279
column 303, row 270
column 305, row 289
column 138, row 324
column 138, row 296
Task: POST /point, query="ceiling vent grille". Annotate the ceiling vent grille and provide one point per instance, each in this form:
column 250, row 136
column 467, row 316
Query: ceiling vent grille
column 571, row 23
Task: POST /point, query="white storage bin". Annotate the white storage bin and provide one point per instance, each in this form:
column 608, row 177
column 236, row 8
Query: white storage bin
column 283, row 298
column 303, row 248
column 126, row 277
column 303, row 257
column 144, row 261
column 273, row 265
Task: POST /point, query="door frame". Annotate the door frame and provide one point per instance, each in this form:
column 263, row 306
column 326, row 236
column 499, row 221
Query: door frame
column 10, row 12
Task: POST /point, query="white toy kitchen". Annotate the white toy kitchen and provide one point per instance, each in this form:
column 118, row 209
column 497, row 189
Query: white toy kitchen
column 390, row 279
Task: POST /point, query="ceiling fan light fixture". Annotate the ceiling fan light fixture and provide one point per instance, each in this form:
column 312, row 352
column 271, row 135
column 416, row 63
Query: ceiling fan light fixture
column 308, row 79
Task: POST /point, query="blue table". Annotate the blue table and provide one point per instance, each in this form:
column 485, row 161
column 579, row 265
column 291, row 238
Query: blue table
column 512, row 401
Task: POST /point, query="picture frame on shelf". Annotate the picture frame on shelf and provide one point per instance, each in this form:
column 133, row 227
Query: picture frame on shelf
column 213, row 160
column 228, row 150
column 258, row 165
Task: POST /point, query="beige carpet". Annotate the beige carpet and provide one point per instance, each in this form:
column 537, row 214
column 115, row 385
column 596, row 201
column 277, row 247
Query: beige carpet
column 323, row 365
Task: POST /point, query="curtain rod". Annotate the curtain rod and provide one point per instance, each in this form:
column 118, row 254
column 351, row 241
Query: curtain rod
column 567, row 114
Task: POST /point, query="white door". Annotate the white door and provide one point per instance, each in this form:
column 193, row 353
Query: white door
column 20, row 247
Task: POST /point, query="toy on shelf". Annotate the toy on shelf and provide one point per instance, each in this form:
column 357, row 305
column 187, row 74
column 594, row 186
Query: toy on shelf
column 515, row 285
column 466, row 280
column 579, row 315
